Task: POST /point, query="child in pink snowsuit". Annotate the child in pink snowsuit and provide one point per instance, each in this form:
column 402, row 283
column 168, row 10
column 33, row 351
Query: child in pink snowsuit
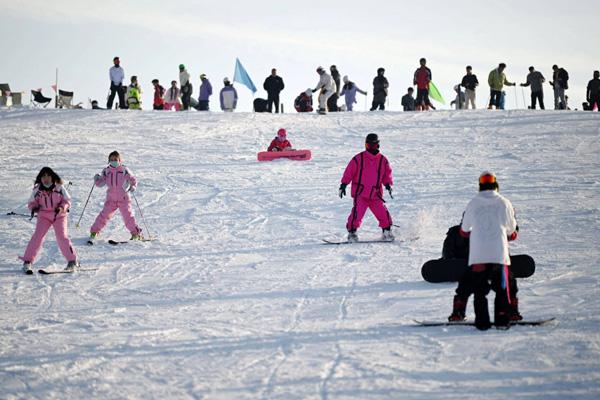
column 119, row 181
column 51, row 202
column 369, row 172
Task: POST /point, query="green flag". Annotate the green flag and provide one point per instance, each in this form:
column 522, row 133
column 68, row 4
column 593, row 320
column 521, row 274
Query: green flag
column 435, row 94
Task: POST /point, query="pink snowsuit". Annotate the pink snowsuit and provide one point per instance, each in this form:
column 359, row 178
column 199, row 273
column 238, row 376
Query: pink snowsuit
column 119, row 181
column 47, row 202
column 368, row 174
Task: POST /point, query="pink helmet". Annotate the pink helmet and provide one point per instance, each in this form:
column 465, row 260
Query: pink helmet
column 281, row 133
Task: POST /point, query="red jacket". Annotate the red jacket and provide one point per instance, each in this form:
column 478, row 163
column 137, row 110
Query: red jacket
column 279, row 145
column 422, row 77
column 159, row 91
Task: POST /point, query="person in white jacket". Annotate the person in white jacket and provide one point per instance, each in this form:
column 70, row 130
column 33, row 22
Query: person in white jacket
column 489, row 221
column 327, row 88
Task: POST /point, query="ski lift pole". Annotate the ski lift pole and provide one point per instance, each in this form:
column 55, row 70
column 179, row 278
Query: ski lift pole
column 84, row 207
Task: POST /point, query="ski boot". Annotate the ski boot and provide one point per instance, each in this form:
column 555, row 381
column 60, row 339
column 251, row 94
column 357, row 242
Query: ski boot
column 28, row 268
column 71, row 266
column 352, row 237
column 136, row 236
column 514, row 310
column 92, row 238
column 459, row 308
column 387, row 234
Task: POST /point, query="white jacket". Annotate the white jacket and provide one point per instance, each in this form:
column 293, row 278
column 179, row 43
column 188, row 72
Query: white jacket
column 184, row 78
column 116, row 75
column 172, row 95
column 326, row 82
column 490, row 218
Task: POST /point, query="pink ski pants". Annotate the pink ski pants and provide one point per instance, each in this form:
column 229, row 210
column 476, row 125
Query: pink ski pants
column 377, row 207
column 110, row 206
column 45, row 220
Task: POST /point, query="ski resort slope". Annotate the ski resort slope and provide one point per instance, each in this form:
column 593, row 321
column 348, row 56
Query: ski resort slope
column 238, row 298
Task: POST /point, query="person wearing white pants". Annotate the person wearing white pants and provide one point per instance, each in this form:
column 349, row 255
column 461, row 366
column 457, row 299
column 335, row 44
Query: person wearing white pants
column 327, row 88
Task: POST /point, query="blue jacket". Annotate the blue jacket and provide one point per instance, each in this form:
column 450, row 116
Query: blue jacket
column 205, row 90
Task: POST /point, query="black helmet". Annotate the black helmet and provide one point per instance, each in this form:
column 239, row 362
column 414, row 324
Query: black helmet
column 372, row 138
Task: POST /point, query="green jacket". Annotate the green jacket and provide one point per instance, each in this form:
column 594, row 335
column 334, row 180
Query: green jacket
column 497, row 80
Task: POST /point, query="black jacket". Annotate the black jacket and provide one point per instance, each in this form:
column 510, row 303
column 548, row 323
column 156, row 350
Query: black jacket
column 469, row 82
column 593, row 89
column 380, row 85
column 455, row 246
column 273, row 84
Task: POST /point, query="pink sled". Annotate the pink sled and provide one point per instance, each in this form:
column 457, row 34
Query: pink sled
column 298, row 155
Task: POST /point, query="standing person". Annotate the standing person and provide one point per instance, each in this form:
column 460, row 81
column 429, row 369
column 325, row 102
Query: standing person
column 326, row 88
column 172, row 97
column 50, row 200
column 408, row 101
column 380, row 90
column 349, row 92
column 459, row 100
column 120, row 182
column 497, row 80
column 205, row 93
column 332, row 101
column 273, row 85
column 489, row 222
column 117, row 75
column 134, row 95
column 422, row 78
column 186, row 87
column 560, row 84
column 470, row 83
column 369, row 171
column 228, row 96
column 593, row 91
column 159, row 92
column 535, row 79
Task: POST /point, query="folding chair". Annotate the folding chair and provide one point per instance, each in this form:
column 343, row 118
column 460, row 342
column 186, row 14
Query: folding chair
column 65, row 99
column 38, row 99
column 4, row 94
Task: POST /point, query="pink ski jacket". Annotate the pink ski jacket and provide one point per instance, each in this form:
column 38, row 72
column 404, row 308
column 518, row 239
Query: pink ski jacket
column 368, row 174
column 119, row 181
column 49, row 200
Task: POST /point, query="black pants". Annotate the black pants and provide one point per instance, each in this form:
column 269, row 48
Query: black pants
column 378, row 102
column 594, row 99
column 495, row 96
column 466, row 286
column 490, row 277
column 202, row 105
column 116, row 89
column 422, row 98
column 537, row 96
column 273, row 98
column 332, row 102
column 186, row 94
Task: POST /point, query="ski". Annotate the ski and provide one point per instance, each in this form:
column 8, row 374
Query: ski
column 340, row 242
column 472, row 323
column 117, row 242
column 64, row 271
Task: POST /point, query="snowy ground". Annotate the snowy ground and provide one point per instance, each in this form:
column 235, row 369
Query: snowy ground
column 239, row 300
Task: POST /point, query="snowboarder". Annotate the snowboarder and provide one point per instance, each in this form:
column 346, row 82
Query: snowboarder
column 459, row 100
column 205, row 93
column 559, row 83
column 50, row 200
column 349, row 92
column 117, row 75
column 273, row 85
column 134, row 94
column 368, row 171
column 326, row 88
column 280, row 143
column 120, row 182
column 535, row 79
column 172, row 97
column 593, row 92
column 303, row 102
column 497, row 80
column 489, row 221
column 332, row 101
column 380, row 90
column 186, row 87
column 159, row 92
column 421, row 79
column 408, row 101
column 470, row 83
column 228, row 96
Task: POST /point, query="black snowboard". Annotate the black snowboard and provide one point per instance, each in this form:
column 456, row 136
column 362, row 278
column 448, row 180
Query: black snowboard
column 535, row 322
column 451, row 270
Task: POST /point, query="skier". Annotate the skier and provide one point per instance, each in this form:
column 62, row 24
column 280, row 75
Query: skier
column 273, row 85
column 380, row 90
column 497, row 80
column 303, row 102
column 120, row 182
column 280, row 143
column 369, row 171
column 205, row 93
column 50, row 200
column 172, row 97
column 489, row 222
column 593, row 91
column 332, row 101
column 457, row 247
column 349, row 92
column 117, row 75
column 459, row 100
column 408, row 101
column 186, row 87
column 326, row 88
column 560, row 83
column 421, row 79
column 228, row 96
column 159, row 91
column 134, row 95
column 535, row 79
column 470, row 83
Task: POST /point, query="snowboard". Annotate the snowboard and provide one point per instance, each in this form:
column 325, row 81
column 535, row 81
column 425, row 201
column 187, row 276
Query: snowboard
column 535, row 322
column 298, row 155
column 340, row 242
column 451, row 270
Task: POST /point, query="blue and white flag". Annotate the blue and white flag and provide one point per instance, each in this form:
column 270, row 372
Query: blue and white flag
column 242, row 76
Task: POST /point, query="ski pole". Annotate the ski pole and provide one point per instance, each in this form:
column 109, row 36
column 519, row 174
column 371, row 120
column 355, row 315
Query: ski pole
column 516, row 102
column 86, row 203
column 523, row 94
column 142, row 214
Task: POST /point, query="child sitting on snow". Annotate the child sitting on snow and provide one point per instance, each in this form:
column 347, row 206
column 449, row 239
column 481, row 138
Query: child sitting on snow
column 280, row 143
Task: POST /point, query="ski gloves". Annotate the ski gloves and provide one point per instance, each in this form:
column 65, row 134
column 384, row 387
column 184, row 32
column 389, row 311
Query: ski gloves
column 342, row 190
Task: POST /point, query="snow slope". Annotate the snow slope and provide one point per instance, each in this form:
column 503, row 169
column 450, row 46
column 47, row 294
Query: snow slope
column 237, row 299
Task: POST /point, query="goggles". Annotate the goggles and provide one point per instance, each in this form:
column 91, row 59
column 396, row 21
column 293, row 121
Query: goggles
column 488, row 178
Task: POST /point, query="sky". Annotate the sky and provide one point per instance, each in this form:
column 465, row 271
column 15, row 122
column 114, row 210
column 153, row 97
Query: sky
column 152, row 38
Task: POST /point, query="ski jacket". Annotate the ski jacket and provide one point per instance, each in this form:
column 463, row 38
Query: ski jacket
column 422, row 77
column 408, row 102
column 490, row 220
column 172, row 95
column 497, row 80
column 326, row 83
column 469, row 82
column 119, row 181
column 276, row 144
column 380, row 86
column 455, row 244
column 368, row 173
column 536, row 80
column 49, row 200
column 116, row 74
column 159, row 91
column 593, row 89
column 303, row 103
column 335, row 75
column 228, row 98
column 349, row 92
column 184, row 78
column 134, row 97
column 273, row 84
column 205, row 90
